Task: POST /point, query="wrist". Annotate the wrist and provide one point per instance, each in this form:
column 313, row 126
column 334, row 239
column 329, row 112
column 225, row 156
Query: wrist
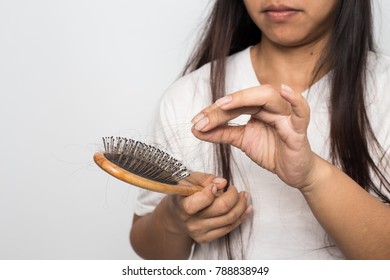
column 320, row 172
column 167, row 216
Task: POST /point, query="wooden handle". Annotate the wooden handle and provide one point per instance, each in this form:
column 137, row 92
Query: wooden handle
column 183, row 188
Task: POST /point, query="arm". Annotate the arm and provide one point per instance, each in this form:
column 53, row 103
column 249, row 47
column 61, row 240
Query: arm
column 155, row 236
column 275, row 138
column 358, row 222
column 177, row 222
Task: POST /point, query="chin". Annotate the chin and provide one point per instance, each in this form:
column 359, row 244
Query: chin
column 288, row 43
column 288, row 39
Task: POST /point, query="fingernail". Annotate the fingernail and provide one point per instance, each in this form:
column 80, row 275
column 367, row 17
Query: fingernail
column 249, row 209
column 287, row 89
column 218, row 180
column 197, row 118
column 201, row 123
column 224, row 100
column 246, row 195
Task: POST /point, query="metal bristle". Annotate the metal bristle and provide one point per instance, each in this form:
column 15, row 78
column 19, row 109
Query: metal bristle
column 144, row 160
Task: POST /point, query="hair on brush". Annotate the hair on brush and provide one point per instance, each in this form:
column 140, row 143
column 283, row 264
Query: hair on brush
column 144, row 166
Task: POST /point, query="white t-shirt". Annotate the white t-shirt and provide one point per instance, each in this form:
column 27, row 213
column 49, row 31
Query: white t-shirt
column 283, row 226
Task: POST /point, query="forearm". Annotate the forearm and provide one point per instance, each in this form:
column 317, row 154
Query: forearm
column 358, row 222
column 156, row 236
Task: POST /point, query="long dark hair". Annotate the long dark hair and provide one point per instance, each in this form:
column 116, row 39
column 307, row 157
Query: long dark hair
column 229, row 29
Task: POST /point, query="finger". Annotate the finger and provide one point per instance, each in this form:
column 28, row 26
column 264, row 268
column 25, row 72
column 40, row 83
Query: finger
column 300, row 108
column 222, row 224
column 225, row 203
column 214, row 116
column 224, row 134
column 194, row 203
column 269, row 118
column 249, row 101
column 204, row 180
column 216, row 233
column 220, row 183
column 261, row 96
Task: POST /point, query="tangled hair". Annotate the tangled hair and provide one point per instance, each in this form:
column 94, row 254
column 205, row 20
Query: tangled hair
column 229, row 29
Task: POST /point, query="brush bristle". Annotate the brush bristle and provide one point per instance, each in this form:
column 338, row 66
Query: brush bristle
column 144, row 160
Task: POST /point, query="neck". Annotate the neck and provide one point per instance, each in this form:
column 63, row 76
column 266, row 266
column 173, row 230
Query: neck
column 294, row 66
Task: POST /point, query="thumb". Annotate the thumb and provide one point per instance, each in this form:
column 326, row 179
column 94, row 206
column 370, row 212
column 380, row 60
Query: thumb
column 225, row 134
column 198, row 201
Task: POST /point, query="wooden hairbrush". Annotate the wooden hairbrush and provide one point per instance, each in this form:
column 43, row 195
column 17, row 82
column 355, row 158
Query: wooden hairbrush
column 144, row 166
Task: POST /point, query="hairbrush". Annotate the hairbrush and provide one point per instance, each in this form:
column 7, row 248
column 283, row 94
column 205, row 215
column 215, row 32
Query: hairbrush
column 144, row 166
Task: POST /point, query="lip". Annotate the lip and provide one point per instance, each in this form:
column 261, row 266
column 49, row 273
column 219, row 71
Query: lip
column 280, row 12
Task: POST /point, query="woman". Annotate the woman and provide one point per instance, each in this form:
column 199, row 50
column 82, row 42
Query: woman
column 309, row 95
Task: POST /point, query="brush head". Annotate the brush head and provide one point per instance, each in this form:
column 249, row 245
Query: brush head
column 144, row 160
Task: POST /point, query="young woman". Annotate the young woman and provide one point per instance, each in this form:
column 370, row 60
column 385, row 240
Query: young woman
column 289, row 105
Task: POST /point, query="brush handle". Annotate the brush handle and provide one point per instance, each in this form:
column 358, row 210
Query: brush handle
column 184, row 187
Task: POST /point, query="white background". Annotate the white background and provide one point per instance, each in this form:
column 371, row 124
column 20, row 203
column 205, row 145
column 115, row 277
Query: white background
column 71, row 72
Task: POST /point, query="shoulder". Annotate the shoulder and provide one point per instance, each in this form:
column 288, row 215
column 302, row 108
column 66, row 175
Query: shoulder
column 194, row 88
column 378, row 79
column 184, row 89
column 378, row 97
column 378, row 72
column 186, row 96
column 199, row 79
column 378, row 59
column 378, row 66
